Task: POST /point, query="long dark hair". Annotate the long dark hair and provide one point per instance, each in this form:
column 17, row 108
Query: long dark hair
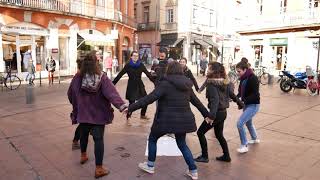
column 174, row 68
column 217, row 70
column 90, row 64
column 242, row 65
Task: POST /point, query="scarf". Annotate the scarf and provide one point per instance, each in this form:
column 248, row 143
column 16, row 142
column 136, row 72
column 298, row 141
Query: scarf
column 135, row 65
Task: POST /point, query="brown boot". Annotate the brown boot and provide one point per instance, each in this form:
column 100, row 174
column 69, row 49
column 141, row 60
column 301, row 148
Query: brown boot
column 84, row 158
column 100, row 171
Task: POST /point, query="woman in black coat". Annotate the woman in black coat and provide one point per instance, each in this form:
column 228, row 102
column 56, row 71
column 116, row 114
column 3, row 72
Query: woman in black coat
column 135, row 87
column 188, row 73
column 218, row 92
column 173, row 115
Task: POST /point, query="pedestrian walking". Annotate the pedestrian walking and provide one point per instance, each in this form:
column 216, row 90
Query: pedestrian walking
column 250, row 95
column 91, row 94
column 135, row 86
column 218, row 92
column 76, row 137
column 108, row 65
column 115, row 64
column 203, row 64
column 187, row 72
column 26, row 58
column 173, row 115
column 31, row 72
column 51, row 68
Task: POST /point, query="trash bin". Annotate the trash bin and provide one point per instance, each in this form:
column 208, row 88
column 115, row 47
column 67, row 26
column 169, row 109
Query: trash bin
column 270, row 79
column 30, row 98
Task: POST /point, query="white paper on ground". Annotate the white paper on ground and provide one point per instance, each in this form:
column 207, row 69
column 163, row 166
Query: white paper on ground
column 166, row 146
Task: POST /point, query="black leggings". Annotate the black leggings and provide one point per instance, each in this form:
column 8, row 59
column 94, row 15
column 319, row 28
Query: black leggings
column 76, row 137
column 218, row 131
column 97, row 131
column 143, row 110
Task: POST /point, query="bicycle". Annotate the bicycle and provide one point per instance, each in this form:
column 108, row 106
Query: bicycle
column 10, row 81
column 262, row 75
column 233, row 76
column 313, row 85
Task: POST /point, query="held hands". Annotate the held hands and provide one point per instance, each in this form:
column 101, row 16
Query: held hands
column 209, row 121
column 240, row 105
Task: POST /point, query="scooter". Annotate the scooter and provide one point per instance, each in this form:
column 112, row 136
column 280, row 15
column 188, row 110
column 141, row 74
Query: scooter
column 289, row 82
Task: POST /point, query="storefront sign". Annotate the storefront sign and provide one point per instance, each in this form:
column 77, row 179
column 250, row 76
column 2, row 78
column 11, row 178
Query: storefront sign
column 256, row 42
column 25, row 30
column 278, row 41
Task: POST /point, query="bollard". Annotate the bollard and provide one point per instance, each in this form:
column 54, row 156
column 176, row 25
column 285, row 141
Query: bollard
column 270, row 79
column 30, row 94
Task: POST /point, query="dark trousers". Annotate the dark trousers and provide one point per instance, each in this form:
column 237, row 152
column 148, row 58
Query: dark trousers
column 97, row 131
column 218, row 131
column 182, row 145
column 76, row 134
column 143, row 110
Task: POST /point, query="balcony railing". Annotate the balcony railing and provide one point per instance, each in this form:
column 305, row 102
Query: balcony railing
column 283, row 20
column 78, row 7
column 147, row 26
column 170, row 26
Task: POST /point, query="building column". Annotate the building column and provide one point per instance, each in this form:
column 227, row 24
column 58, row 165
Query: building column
column 18, row 54
column 72, row 52
column 2, row 64
column 33, row 50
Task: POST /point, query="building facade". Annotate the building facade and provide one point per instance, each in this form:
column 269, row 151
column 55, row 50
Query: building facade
column 280, row 34
column 146, row 13
column 65, row 30
column 188, row 27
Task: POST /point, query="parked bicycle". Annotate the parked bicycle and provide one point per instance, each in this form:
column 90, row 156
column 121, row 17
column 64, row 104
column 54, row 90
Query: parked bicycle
column 232, row 74
column 262, row 75
column 10, row 81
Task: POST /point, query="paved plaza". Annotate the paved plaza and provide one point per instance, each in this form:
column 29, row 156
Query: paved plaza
column 35, row 140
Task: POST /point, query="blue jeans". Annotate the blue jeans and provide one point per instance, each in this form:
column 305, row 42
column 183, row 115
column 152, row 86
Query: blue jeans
column 181, row 142
column 246, row 119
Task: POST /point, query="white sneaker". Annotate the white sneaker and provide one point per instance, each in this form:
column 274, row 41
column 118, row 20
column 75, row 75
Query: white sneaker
column 144, row 166
column 243, row 149
column 256, row 141
column 192, row 175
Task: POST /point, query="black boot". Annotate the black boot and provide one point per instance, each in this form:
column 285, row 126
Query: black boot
column 225, row 158
column 202, row 159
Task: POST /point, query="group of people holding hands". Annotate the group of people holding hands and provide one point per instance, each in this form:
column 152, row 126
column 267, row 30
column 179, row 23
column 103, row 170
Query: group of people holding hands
column 91, row 94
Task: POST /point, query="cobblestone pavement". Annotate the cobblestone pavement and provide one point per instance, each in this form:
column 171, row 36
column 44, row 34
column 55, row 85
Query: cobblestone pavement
column 35, row 140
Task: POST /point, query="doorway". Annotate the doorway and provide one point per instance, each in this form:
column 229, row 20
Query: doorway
column 280, row 56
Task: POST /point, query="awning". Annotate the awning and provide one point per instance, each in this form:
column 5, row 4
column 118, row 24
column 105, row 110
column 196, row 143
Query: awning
column 201, row 42
column 209, row 41
column 170, row 42
column 96, row 39
column 178, row 42
column 165, row 42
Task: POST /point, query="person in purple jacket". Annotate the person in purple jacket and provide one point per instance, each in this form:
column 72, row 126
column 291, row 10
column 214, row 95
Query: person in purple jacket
column 91, row 94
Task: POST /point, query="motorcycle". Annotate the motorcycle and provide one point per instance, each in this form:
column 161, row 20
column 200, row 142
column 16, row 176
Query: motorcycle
column 289, row 81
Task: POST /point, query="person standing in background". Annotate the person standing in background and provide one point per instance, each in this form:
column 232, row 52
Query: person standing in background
column 51, row 67
column 203, row 64
column 115, row 64
column 26, row 57
column 108, row 65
